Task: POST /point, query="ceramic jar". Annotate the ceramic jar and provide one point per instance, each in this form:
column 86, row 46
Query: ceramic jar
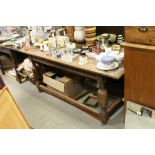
column 120, row 39
column 79, row 34
column 105, row 39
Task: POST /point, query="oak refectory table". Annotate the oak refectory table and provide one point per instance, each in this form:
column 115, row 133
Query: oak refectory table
column 88, row 70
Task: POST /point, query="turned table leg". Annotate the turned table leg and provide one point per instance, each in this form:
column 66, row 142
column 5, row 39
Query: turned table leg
column 36, row 74
column 35, row 70
column 103, row 100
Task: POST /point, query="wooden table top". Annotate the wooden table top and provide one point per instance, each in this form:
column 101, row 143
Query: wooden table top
column 90, row 66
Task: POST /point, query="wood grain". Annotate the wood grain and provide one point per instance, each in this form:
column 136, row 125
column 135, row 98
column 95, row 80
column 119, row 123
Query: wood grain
column 139, row 46
column 10, row 115
column 90, row 66
column 135, row 34
column 140, row 76
column 70, row 32
column 88, row 70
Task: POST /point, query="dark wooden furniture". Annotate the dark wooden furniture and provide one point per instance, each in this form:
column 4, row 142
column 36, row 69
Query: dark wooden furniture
column 88, row 70
column 140, row 74
column 9, row 52
column 140, row 34
column 5, row 62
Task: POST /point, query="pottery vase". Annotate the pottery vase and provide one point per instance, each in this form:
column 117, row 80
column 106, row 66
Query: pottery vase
column 79, row 34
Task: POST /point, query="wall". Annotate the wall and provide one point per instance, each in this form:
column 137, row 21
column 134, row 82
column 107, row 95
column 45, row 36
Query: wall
column 110, row 29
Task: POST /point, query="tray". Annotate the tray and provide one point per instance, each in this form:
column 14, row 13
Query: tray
column 91, row 101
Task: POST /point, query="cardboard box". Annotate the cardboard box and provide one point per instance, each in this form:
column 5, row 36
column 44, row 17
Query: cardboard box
column 69, row 86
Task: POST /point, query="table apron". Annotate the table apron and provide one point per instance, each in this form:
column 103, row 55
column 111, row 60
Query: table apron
column 67, row 68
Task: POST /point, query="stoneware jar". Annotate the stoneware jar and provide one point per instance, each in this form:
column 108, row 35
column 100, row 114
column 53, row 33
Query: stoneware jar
column 79, row 34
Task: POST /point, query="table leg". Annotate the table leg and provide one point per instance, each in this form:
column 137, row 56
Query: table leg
column 36, row 74
column 103, row 100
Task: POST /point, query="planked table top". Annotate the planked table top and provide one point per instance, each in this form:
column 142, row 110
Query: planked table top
column 90, row 66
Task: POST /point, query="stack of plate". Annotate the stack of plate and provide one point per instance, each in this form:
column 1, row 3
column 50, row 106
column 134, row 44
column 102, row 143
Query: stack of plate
column 90, row 33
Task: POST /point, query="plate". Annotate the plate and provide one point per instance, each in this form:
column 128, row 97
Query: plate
column 101, row 66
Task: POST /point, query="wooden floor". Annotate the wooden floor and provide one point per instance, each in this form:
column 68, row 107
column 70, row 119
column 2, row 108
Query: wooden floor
column 45, row 111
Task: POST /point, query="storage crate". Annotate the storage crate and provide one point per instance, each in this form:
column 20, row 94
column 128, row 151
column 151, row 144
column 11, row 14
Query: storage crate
column 69, row 86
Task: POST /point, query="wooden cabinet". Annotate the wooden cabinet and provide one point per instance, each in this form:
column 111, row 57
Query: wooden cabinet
column 140, row 74
column 140, row 34
column 10, row 115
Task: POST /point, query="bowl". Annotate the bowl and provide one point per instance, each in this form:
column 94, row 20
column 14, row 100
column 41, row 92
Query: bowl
column 107, row 60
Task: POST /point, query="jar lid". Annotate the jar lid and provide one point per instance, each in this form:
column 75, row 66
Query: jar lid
column 107, row 59
column 120, row 35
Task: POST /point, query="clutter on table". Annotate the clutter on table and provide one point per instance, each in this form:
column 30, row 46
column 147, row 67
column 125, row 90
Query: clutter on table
column 83, row 58
column 8, row 37
column 54, row 42
column 109, row 59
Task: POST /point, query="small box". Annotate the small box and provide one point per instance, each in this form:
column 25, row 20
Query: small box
column 69, row 86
